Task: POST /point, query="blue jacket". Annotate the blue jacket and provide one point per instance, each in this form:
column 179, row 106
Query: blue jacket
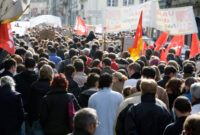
column 12, row 112
column 56, row 59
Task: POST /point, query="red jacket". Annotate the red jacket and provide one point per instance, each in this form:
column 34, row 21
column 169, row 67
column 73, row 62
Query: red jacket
column 114, row 65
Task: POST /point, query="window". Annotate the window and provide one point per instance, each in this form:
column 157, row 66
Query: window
column 112, row 3
column 128, row 2
column 142, row 1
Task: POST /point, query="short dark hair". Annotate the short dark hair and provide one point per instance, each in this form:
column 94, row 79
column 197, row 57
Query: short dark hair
column 106, row 61
column 92, row 79
column 41, row 63
column 29, row 63
column 138, row 85
column 161, row 68
column 9, row 63
column 20, row 51
column 182, row 104
column 105, row 80
column 169, row 69
column 189, row 81
column 83, row 57
column 95, row 63
column 45, row 55
column 188, row 68
column 149, row 72
column 52, row 64
column 69, row 70
column 135, row 66
column 53, row 50
column 148, row 52
column 141, row 63
column 111, row 49
column 20, row 68
column 72, row 52
column 95, row 70
column 112, row 56
column 79, row 65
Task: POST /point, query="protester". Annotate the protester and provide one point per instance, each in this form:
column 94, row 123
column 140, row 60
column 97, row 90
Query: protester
column 118, row 81
column 58, row 108
column 106, row 63
column 9, row 68
column 195, row 94
column 134, row 73
column 12, row 111
column 85, row 122
column 92, row 84
column 53, row 57
column 105, row 102
column 191, row 125
column 182, row 108
column 147, row 117
column 188, row 83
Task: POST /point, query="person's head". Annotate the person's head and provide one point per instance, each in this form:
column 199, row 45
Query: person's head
column 148, row 72
column 10, row 65
column 106, row 62
column 41, row 63
column 69, row 70
column 144, row 59
column 72, row 52
column 93, row 80
column 174, row 64
column 46, row 72
column 161, row 68
column 172, row 51
column 95, row 63
column 20, row 68
column 53, row 50
column 111, row 49
column 86, row 120
column 125, row 54
column 182, row 106
column 148, row 86
column 7, row 81
column 79, row 65
column 191, row 125
column 188, row 82
column 112, row 56
column 188, row 68
column 52, row 64
column 148, row 52
column 98, row 55
column 118, row 77
column 21, row 52
column 95, row 70
column 154, row 61
column 28, row 54
column 133, row 68
column 29, row 64
column 195, row 92
column 170, row 71
column 105, row 80
column 170, row 56
column 141, row 63
column 18, row 59
column 127, row 91
column 173, row 86
column 59, row 81
column 86, row 51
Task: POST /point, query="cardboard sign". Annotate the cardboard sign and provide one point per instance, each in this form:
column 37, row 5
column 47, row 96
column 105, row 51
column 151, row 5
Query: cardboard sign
column 47, row 34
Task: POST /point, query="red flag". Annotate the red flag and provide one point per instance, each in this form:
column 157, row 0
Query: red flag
column 161, row 41
column 81, row 28
column 163, row 56
column 177, row 43
column 137, row 44
column 144, row 47
column 6, row 38
column 194, row 46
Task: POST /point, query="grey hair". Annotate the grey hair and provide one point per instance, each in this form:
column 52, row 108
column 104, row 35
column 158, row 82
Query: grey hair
column 86, row 51
column 7, row 80
column 195, row 90
column 28, row 54
column 84, row 118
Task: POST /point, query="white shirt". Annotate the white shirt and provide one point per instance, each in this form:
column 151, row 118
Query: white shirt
column 131, row 82
column 106, row 103
column 195, row 109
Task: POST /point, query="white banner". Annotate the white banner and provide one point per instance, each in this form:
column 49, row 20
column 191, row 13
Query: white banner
column 49, row 19
column 175, row 21
column 126, row 18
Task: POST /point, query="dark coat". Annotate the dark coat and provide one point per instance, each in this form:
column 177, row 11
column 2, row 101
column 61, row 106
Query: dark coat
column 24, row 81
column 80, row 133
column 73, row 87
column 12, row 112
column 38, row 90
column 84, row 97
column 60, row 53
column 175, row 128
column 164, row 81
column 107, row 70
column 6, row 73
column 136, row 75
column 54, row 111
column 147, row 117
column 62, row 64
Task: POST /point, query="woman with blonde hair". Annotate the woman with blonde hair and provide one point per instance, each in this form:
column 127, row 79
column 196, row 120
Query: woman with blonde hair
column 118, row 81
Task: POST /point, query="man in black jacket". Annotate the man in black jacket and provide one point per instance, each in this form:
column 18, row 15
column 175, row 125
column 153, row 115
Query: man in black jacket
column 9, row 68
column 182, row 108
column 169, row 72
column 148, row 117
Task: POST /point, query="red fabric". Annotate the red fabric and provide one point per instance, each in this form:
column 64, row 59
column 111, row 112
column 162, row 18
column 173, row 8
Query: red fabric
column 138, row 35
column 194, row 46
column 144, row 47
column 163, row 56
column 6, row 38
column 114, row 65
column 81, row 27
column 161, row 41
column 89, row 60
column 71, row 113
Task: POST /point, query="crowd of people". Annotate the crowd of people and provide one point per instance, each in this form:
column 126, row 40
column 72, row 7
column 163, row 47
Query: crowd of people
column 71, row 86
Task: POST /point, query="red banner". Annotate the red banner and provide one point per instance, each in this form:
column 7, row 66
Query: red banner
column 194, row 46
column 161, row 41
column 81, row 27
